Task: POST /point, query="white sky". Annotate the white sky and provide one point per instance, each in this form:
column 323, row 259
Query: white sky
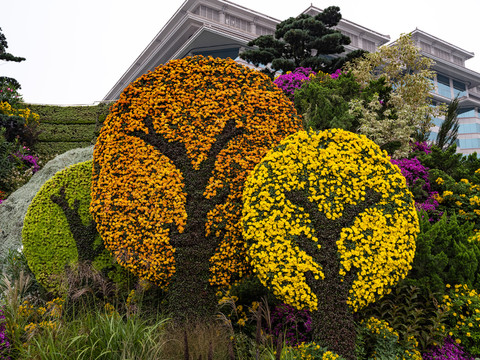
column 76, row 50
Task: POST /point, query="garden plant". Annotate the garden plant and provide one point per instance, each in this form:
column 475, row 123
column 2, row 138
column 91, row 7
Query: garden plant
column 210, row 224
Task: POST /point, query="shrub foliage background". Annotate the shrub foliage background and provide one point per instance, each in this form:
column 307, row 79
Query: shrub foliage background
column 331, row 227
column 169, row 168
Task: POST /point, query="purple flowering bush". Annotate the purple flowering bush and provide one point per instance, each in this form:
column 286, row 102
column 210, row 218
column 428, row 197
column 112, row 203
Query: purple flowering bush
column 449, row 350
column 293, row 80
column 4, row 343
column 418, row 182
column 295, row 325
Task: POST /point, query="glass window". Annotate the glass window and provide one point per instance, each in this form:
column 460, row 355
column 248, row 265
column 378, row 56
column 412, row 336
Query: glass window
column 469, row 143
column 466, row 112
column 469, row 128
column 459, row 88
column 438, row 122
column 443, row 86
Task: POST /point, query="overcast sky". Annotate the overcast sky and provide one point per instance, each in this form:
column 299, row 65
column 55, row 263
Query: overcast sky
column 77, row 50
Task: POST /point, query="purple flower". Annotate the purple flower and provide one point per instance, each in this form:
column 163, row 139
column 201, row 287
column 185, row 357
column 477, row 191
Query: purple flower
column 29, row 160
column 336, row 74
column 448, row 351
column 295, row 324
column 4, row 343
column 414, row 171
column 421, row 146
column 294, row 80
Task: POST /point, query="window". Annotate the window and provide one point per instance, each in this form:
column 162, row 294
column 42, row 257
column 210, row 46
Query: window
column 236, row 22
column 468, row 128
column 466, row 112
column 443, row 86
column 469, row 143
column 209, row 13
column 459, row 89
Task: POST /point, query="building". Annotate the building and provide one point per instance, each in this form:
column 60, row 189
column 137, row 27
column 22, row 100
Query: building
column 222, row 28
column 454, row 79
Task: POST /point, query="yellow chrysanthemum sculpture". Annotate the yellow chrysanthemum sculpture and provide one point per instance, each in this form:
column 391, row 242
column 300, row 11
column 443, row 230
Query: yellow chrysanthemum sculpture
column 331, row 227
column 170, row 164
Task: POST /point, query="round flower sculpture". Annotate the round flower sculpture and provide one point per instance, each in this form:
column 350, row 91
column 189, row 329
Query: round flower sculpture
column 169, row 169
column 331, row 226
column 58, row 228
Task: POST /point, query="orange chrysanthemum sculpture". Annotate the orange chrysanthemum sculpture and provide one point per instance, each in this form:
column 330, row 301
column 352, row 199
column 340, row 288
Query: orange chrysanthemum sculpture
column 169, row 169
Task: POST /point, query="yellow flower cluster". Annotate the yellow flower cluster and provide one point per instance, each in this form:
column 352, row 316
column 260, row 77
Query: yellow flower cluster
column 335, row 169
column 41, row 317
column 27, row 114
column 236, row 312
column 311, row 351
column 462, row 305
column 139, row 195
column 382, row 329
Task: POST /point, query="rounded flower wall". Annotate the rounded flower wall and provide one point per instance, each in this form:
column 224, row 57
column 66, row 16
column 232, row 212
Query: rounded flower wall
column 331, row 226
column 170, row 165
column 58, row 228
column 334, row 170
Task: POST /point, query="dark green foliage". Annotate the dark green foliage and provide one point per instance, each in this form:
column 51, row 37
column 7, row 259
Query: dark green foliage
column 294, row 41
column 67, row 132
column 6, row 165
column 63, row 128
column 83, row 235
column 189, row 294
column 451, row 163
column 411, row 312
column 333, row 323
column 445, row 254
column 52, row 148
column 324, row 102
column 447, row 134
column 3, row 50
column 8, row 82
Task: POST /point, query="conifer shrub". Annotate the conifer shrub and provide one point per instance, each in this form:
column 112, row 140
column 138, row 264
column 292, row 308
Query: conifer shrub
column 169, row 168
column 331, row 227
column 447, row 252
column 58, row 229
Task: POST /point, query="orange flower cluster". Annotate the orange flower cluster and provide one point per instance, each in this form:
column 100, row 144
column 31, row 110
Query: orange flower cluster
column 142, row 191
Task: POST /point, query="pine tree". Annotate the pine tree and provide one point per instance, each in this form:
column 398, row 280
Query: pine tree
column 304, row 41
column 5, row 56
column 447, row 134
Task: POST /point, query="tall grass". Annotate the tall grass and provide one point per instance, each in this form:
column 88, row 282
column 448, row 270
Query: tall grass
column 96, row 335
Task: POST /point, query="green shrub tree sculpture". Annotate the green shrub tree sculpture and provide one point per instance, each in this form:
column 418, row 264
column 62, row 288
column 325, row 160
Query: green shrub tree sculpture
column 169, row 169
column 331, row 227
column 58, row 229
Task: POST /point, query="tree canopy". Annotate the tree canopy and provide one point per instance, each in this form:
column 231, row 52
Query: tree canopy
column 303, row 41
